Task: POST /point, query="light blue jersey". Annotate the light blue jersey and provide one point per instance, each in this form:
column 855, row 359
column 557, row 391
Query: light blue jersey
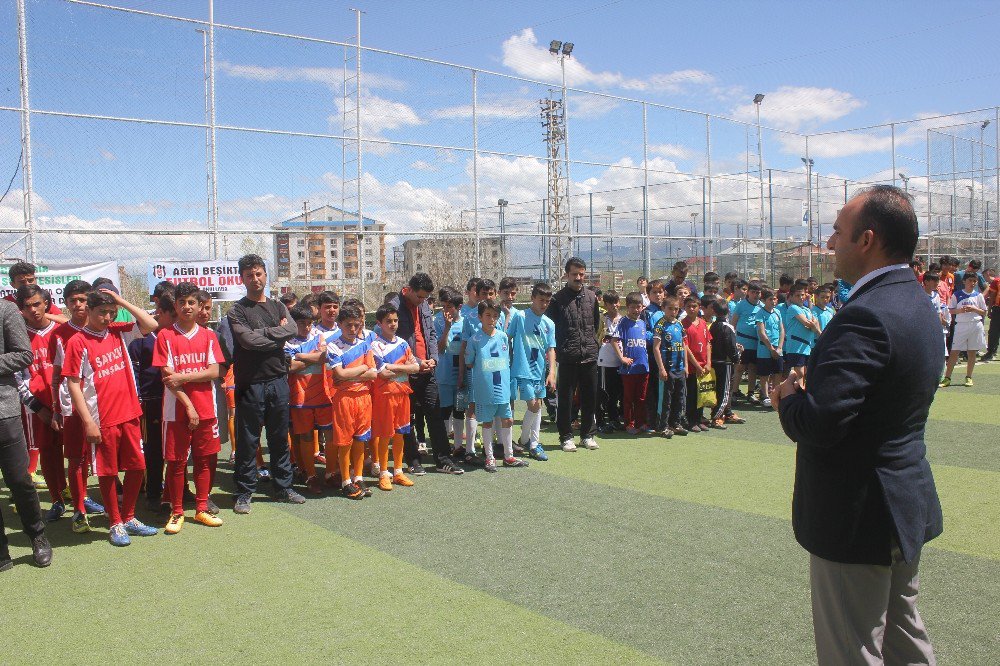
column 531, row 336
column 823, row 315
column 798, row 338
column 471, row 323
column 449, row 364
column 772, row 329
column 489, row 356
column 746, row 327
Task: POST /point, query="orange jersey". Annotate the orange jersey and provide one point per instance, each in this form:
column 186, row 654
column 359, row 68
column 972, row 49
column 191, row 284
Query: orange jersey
column 391, row 352
column 306, row 387
column 348, row 355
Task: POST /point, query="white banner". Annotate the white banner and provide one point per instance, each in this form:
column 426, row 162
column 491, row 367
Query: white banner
column 219, row 278
column 55, row 278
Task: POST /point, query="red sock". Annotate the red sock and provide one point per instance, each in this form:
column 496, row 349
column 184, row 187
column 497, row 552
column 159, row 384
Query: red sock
column 133, row 486
column 54, row 471
column 109, row 493
column 32, row 461
column 175, row 482
column 202, row 481
column 77, row 483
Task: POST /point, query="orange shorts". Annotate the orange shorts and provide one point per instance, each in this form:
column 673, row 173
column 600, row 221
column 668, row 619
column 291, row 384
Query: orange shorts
column 390, row 414
column 120, row 449
column 179, row 440
column 352, row 418
column 230, row 397
column 306, row 419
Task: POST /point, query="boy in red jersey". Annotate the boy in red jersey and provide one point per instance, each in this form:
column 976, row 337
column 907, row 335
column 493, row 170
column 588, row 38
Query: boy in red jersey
column 352, row 369
column 188, row 356
column 307, row 399
column 36, row 394
column 391, row 396
column 74, row 443
column 102, row 387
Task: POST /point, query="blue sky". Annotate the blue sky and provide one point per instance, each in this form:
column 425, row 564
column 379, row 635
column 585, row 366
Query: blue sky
column 823, row 66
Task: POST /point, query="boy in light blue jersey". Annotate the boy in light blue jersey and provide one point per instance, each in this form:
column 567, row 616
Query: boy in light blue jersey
column 486, row 289
column 533, row 341
column 801, row 329
column 744, row 320
column 487, row 355
column 448, row 326
column 822, row 310
column 771, row 340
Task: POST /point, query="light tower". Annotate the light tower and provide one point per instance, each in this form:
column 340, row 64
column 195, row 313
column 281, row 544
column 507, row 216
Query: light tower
column 557, row 211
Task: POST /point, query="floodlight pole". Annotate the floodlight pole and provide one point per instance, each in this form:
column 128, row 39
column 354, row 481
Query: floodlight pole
column 982, row 170
column 29, row 218
column 563, row 54
column 809, row 206
column 213, row 165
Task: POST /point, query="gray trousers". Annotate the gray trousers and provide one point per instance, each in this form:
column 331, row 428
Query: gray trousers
column 867, row 613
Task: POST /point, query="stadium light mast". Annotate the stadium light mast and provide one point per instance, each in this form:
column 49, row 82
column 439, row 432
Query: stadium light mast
column 502, row 206
column 906, row 181
column 757, row 99
column 982, row 189
column 611, row 240
column 809, row 207
column 562, row 50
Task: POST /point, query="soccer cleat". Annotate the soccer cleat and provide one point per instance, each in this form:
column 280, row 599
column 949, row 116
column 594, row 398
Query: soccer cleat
column 766, row 402
column 968, row 381
column 719, row 424
column 538, row 453
column 376, row 469
column 55, row 513
column 314, row 486
column 986, row 358
column 320, row 459
column 351, row 491
column 80, row 523
column 472, row 459
column 118, row 536
column 401, row 479
column 590, row 444
column 92, row 508
column 263, row 474
column 945, row 382
column 67, row 496
column 447, row 466
column 416, row 469
column 364, row 487
column 568, row 445
column 213, row 508
column 135, row 527
column 753, row 400
column 514, row 462
column 632, row 432
column 680, row 431
column 39, row 481
column 735, row 418
column 519, row 450
column 174, row 524
column 385, row 482
column 289, row 496
column 242, row 505
column 490, row 466
column 667, row 432
column 207, row 519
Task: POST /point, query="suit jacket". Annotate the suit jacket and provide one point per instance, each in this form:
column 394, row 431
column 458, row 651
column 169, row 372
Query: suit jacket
column 406, row 326
column 15, row 355
column 861, row 474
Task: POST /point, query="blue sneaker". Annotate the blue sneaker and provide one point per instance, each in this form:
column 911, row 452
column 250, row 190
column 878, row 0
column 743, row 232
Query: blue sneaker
column 118, row 536
column 92, row 507
column 136, row 528
column 538, row 453
column 56, row 512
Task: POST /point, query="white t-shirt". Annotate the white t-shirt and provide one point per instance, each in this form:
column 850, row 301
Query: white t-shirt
column 607, row 357
column 960, row 299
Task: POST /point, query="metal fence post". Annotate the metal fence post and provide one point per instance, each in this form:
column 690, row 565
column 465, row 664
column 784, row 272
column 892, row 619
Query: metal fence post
column 213, row 164
column 706, row 207
column 29, row 218
column 476, row 266
column 770, row 231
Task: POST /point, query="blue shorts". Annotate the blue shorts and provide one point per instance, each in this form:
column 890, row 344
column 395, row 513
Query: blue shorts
column 446, row 395
column 527, row 389
column 769, row 366
column 793, row 360
column 486, row 413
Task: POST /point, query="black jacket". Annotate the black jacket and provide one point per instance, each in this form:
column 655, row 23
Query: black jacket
column 259, row 340
column 861, row 472
column 577, row 319
column 406, row 328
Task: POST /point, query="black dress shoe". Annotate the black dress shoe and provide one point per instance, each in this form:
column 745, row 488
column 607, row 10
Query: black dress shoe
column 41, row 550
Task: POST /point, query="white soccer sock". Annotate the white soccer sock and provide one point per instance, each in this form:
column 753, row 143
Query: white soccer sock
column 449, row 426
column 459, row 435
column 487, row 438
column 507, row 439
column 470, row 434
column 536, row 426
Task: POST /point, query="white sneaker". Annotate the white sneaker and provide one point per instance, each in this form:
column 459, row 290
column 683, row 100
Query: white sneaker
column 766, row 402
column 590, row 443
column 568, row 445
column 376, row 469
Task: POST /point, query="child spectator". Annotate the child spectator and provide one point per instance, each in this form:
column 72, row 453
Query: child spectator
column 609, row 382
column 533, row 364
column 930, row 282
column 448, row 327
column 801, row 329
column 630, row 346
column 771, row 340
column 822, row 310
column 744, row 320
column 725, row 355
column 309, row 405
column 670, row 354
column 968, row 307
column 699, row 357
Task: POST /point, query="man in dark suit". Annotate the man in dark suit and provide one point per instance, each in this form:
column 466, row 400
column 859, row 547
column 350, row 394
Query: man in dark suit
column 864, row 501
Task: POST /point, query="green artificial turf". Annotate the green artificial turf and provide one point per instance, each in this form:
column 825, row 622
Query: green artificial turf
column 676, row 551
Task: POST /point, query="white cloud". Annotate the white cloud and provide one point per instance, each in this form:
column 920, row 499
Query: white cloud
column 672, row 151
column 143, row 208
column 108, row 155
column 523, row 54
column 793, row 107
column 267, row 205
column 421, row 165
column 332, row 77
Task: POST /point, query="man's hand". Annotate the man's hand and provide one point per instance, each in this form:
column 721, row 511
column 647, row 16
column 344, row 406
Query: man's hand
column 664, row 376
column 427, row 365
column 705, row 371
column 193, row 420
column 626, row 361
column 791, row 384
column 550, row 382
column 57, row 421
column 93, row 433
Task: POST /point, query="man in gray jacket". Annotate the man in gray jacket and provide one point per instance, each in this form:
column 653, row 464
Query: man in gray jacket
column 15, row 355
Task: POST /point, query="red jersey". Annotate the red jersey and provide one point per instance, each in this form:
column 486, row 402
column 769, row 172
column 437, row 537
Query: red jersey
column 57, row 352
column 53, row 309
column 698, row 339
column 349, row 355
column 40, row 384
column 187, row 352
column 102, row 362
column 395, row 352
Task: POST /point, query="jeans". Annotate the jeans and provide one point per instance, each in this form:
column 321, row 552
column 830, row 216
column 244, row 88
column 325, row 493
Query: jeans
column 14, row 467
column 610, row 390
column 573, row 376
column 425, row 401
column 152, row 446
column 262, row 406
column 994, row 334
column 671, row 403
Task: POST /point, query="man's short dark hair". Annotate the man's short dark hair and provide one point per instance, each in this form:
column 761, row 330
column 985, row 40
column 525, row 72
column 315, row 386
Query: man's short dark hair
column 327, row 297
column 248, row 261
column 309, row 299
column 288, row 298
column 766, row 293
column 421, row 282
column 887, row 211
column 541, row 289
column 786, row 279
column 30, row 291
column 916, row 263
column 680, row 266
column 611, row 296
column 507, row 283
column 349, row 312
column 721, row 307
column 185, row 289
column 575, row 262
column 931, row 277
column 390, row 296
column 488, row 304
column 641, row 278
column 354, row 303
column 301, row 313
column 710, row 276
column 976, row 265
column 653, row 284
column 740, row 284
column 21, row 268
column 755, row 286
column 385, row 310
column 731, row 275
column 74, row 287
column 486, row 284
column 98, row 298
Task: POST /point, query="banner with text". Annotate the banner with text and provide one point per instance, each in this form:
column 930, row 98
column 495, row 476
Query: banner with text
column 55, row 278
column 220, row 278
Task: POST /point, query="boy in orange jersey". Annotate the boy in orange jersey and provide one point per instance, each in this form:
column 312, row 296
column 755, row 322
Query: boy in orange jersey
column 188, row 356
column 391, row 396
column 352, row 369
column 308, row 402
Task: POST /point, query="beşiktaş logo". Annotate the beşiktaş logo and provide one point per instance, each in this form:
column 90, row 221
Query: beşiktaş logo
column 159, row 271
